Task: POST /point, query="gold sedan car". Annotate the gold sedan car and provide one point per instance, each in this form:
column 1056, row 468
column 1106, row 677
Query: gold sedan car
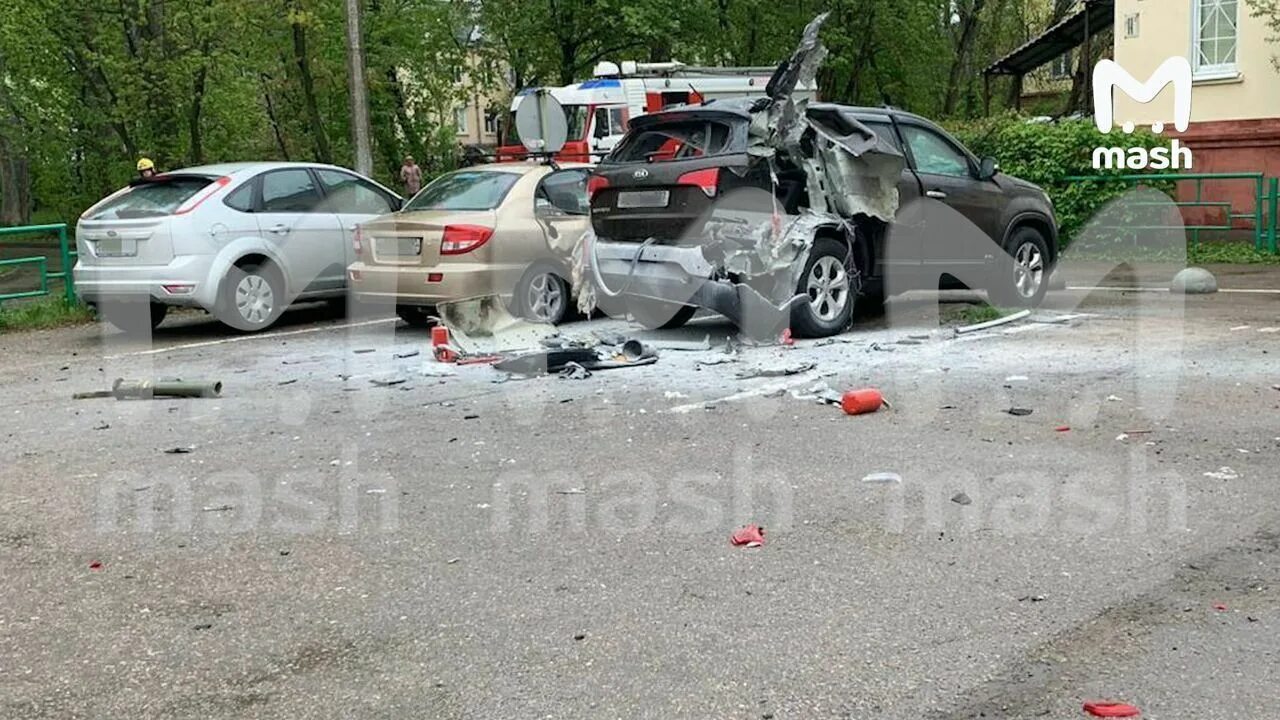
column 505, row 229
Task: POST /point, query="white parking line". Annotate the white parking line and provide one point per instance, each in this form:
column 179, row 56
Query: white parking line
column 246, row 338
column 1121, row 288
column 752, row 393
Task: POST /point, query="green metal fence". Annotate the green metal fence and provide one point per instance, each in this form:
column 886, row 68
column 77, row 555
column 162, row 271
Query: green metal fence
column 65, row 253
column 1262, row 216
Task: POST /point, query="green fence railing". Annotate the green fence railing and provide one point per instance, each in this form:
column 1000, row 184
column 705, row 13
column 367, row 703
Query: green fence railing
column 1262, row 216
column 65, row 254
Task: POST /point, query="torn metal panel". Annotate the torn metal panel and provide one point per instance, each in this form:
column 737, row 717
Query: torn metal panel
column 483, row 325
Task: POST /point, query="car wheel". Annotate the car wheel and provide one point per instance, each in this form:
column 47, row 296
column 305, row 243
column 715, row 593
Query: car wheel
column 1023, row 275
column 543, row 296
column 134, row 318
column 252, row 297
column 415, row 316
column 828, row 284
column 658, row 315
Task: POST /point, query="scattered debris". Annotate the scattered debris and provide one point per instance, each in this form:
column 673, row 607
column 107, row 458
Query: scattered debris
column 1019, row 412
column 203, row 626
column 387, row 382
column 1122, row 437
column 364, row 351
column 862, row 402
column 1238, row 328
column 441, row 349
column 406, row 354
column 572, row 491
column 1111, row 710
column 673, row 395
column 993, row 323
column 436, row 370
column 1223, row 473
column 961, row 499
column 217, row 508
column 180, row 450
column 376, row 491
column 703, row 345
column 786, row 371
column 95, row 565
column 580, row 636
column 102, row 426
column 787, row 340
column 96, row 394
column 725, row 360
column 290, row 381
column 470, row 417
column 750, row 536
column 1220, row 607
column 1062, row 428
column 547, row 361
column 883, row 478
column 1033, row 598
column 147, row 389
column 1113, row 398
column 453, row 561
column 1016, row 378
column 633, row 350
column 574, row 371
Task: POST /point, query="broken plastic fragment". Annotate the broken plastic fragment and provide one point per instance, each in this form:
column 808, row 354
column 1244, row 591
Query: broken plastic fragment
column 1109, row 709
column 750, row 536
column 884, row 478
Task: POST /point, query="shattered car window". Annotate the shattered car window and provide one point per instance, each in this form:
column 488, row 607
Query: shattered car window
column 464, row 191
column 676, row 141
column 935, row 155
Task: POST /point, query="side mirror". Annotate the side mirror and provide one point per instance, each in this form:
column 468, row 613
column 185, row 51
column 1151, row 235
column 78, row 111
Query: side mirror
column 988, row 169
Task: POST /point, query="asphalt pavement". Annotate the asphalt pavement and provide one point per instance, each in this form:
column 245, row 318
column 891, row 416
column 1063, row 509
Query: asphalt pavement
column 354, row 530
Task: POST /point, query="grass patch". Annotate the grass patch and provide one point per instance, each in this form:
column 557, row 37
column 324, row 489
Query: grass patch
column 1206, row 253
column 970, row 314
column 42, row 313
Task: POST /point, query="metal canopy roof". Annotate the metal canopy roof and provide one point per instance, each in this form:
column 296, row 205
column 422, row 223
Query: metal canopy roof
column 1070, row 32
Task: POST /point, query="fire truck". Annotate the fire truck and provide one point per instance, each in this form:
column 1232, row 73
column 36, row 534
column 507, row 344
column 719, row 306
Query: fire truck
column 598, row 111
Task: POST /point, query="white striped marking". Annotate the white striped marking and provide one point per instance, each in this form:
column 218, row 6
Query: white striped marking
column 246, row 338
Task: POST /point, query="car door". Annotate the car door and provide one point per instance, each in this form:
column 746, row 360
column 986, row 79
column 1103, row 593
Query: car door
column 354, row 201
column 608, row 125
column 905, row 236
column 948, row 174
column 561, row 207
column 309, row 238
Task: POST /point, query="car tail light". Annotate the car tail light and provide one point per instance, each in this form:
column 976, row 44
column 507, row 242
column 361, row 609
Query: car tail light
column 459, row 239
column 435, row 277
column 357, row 241
column 707, row 180
column 198, row 199
column 595, row 184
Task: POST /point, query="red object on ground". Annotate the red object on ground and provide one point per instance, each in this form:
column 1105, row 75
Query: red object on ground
column 1063, row 428
column 440, row 345
column 751, row 536
column 861, row 402
column 1108, row 709
column 1220, row 607
column 95, row 565
column 787, row 339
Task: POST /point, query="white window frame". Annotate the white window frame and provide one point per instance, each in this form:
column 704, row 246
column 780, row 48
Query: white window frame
column 460, row 119
column 1133, row 25
column 1220, row 71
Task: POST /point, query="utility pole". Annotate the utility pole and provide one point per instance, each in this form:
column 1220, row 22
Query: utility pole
column 359, row 91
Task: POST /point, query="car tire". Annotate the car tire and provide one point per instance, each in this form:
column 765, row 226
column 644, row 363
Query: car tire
column 252, row 297
column 658, row 315
column 1022, row 274
column 134, row 318
column 828, row 284
column 415, row 316
column 543, row 296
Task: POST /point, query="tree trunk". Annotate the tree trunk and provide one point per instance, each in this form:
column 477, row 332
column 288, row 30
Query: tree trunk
column 15, row 185
column 193, row 118
column 359, row 91
column 969, row 17
column 271, row 116
column 323, row 152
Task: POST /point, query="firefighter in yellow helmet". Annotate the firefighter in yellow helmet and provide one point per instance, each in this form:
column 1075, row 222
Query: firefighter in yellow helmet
column 146, row 169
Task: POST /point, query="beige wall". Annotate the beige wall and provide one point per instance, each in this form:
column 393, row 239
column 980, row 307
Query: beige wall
column 475, row 108
column 1166, row 31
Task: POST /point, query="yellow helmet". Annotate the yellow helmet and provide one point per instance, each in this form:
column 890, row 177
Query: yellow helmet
column 146, row 164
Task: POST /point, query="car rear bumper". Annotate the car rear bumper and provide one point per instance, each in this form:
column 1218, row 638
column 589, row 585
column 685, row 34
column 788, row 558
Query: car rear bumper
column 183, row 281
column 416, row 286
column 683, row 276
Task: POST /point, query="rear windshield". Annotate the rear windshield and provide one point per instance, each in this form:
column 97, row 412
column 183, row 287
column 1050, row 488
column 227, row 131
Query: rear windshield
column 464, row 190
column 675, row 141
column 155, row 198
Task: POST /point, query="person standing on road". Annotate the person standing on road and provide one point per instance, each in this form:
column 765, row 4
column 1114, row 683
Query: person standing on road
column 411, row 176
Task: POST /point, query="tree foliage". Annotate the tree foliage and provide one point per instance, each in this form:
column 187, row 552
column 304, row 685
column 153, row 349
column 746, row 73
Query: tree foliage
column 88, row 86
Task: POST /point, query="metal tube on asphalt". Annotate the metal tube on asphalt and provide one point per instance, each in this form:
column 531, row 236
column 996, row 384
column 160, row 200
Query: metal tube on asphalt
column 147, row 389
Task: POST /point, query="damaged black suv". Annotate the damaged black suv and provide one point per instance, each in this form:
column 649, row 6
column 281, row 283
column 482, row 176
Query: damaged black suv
column 777, row 214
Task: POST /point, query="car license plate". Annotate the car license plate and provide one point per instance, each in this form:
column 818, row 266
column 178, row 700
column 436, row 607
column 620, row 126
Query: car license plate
column 400, row 247
column 114, row 247
column 644, row 199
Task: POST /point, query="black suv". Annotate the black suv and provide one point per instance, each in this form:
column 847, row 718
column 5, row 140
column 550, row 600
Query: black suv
column 661, row 202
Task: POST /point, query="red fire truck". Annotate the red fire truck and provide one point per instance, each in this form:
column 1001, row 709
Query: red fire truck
column 599, row 110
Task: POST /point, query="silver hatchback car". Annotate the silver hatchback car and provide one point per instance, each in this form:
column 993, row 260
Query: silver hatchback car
column 242, row 241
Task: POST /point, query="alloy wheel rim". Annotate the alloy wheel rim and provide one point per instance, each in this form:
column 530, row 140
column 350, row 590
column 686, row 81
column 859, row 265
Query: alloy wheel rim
column 828, row 288
column 255, row 301
column 1028, row 270
column 546, row 297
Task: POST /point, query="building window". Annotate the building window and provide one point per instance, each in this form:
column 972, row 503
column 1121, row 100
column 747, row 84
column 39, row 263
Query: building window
column 1132, row 25
column 1063, row 67
column 460, row 120
column 490, row 123
column 1216, row 35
